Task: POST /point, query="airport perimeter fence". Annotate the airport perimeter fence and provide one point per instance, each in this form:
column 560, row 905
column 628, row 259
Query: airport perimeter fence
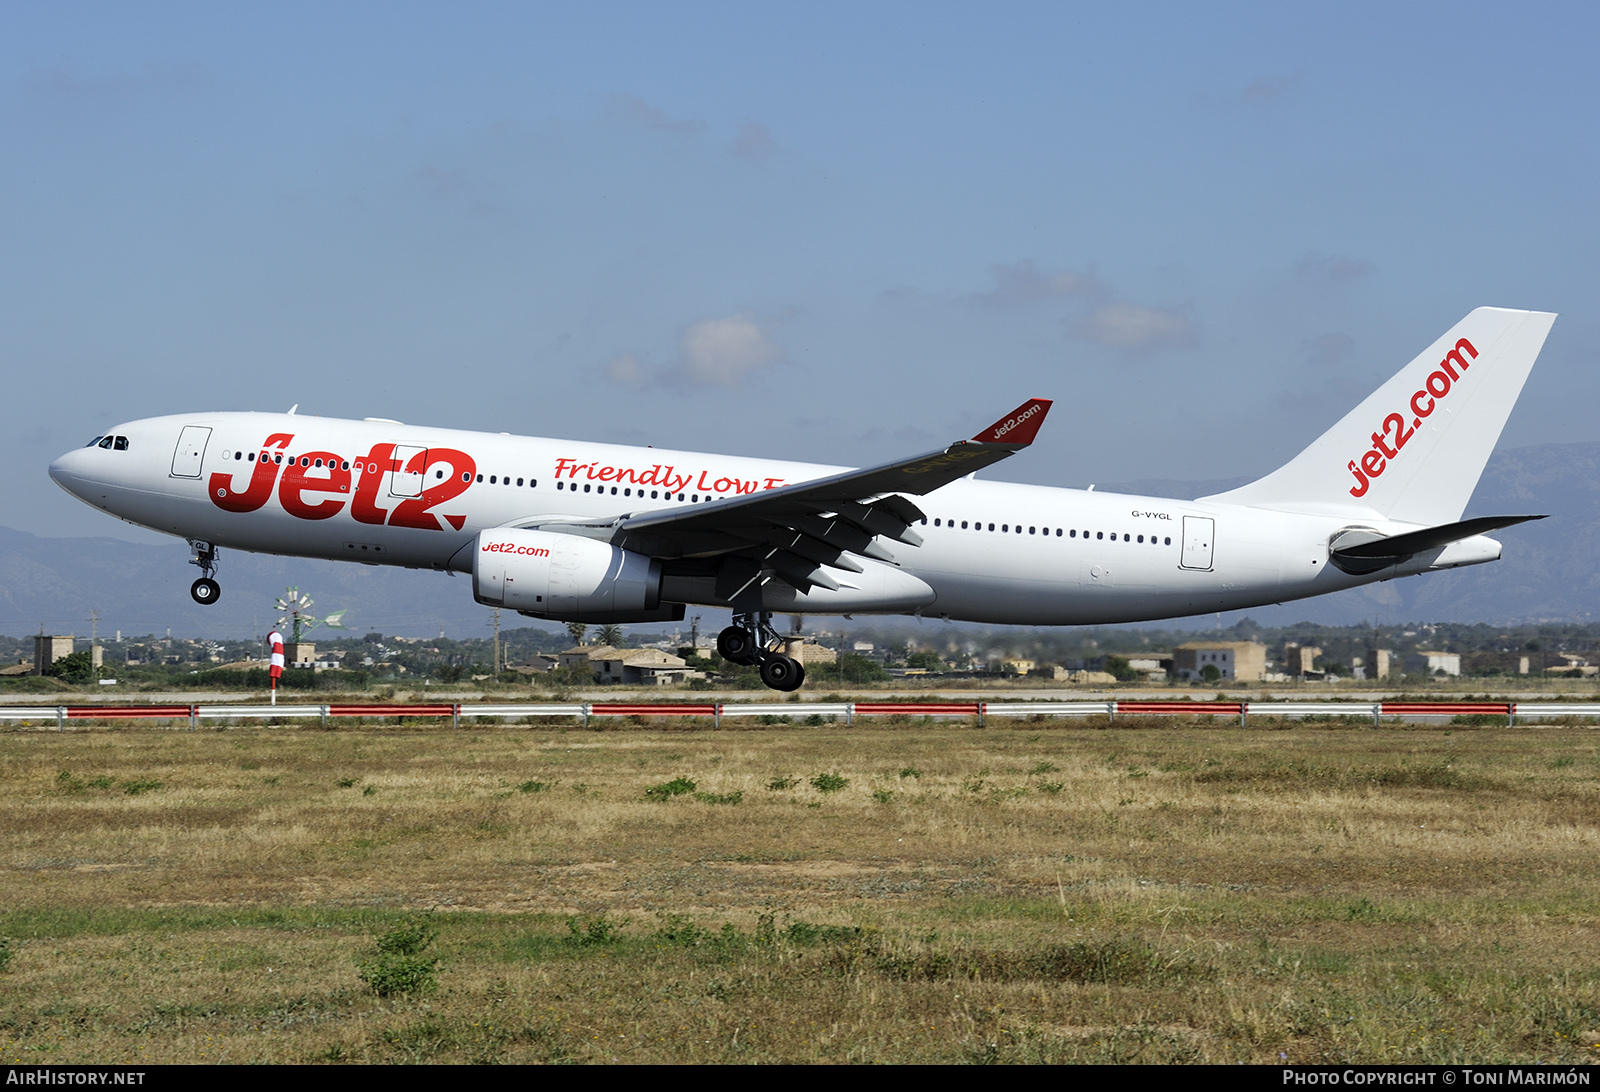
column 848, row 712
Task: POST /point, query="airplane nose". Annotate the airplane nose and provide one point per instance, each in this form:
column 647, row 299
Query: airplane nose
column 69, row 471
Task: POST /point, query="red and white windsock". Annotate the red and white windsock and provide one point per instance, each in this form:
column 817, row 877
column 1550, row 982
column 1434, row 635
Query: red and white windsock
column 275, row 639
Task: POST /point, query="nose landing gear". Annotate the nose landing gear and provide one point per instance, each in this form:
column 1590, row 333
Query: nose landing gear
column 204, row 591
column 752, row 640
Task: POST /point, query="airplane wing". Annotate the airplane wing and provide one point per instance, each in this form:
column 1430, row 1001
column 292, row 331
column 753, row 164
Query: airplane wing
column 793, row 531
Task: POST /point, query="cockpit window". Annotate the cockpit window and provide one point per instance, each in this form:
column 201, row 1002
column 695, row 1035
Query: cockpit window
column 120, row 443
column 106, row 443
column 92, row 442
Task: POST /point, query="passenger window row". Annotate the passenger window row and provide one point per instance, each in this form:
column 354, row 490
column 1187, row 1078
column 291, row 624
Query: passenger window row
column 1071, row 532
column 628, row 491
column 495, row 479
column 304, row 460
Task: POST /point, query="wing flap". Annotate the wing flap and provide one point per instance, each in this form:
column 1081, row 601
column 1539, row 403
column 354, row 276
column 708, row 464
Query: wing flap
column 791, row 533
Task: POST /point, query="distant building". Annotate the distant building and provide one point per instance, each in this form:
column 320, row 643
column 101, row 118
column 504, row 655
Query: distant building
column 1301, row 660
column 1573, row 664
column 303, row 654
column 585, row 654
column 48, row 649
column 1243, row 660
column 647, row 666
column 807, row 651
column 1380, row 661
column 1495, row 663
column 1437, row 663
column 537, row 664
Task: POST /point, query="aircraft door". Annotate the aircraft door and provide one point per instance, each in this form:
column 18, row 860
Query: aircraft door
column 191, row 451
column 409, row 464
column 1198, row 538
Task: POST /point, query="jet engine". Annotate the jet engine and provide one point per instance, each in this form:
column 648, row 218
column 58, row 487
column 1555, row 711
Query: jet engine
column 567, row 578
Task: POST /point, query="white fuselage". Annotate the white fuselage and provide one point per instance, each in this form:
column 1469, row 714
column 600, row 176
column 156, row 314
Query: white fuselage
column 395, row 494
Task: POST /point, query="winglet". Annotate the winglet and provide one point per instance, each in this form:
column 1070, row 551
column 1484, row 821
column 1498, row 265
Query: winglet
column 1018, row 427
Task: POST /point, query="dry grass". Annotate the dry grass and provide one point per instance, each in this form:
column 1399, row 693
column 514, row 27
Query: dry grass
column 1042, row 892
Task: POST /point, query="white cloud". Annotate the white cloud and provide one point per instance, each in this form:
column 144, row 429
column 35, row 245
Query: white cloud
column 713, row 352
column 1331, row 268
column 632, row 110
column 721, row 352
column 626, row 370
column 754, row 143
column 1135, row 328
column 1023, row 282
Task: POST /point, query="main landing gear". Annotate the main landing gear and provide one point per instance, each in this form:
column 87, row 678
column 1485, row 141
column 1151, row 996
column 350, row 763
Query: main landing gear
column 204, row 591
column 751, row 640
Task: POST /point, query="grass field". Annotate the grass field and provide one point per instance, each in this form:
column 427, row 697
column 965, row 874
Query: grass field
column 1039, row 892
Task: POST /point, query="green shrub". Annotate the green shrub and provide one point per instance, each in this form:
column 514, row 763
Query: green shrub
column 804, row 934
column 678, row 786
column 595, row 931
column 910, row 771
column 76, row 668
column 829, row 782
column 680, row 931
column 401, row 965
column 143, row 785
column 409, row 938
column 779, row 784
column 5, row 954
column 719, row 797
column 534, row 786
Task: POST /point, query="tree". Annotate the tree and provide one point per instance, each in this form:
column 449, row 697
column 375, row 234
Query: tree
column 1211, row 673
column 78, row 667
column 577, row 630
column 610, row 635
column 1120, row 669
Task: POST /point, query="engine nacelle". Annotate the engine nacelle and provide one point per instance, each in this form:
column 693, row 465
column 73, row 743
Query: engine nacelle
column 567, row 578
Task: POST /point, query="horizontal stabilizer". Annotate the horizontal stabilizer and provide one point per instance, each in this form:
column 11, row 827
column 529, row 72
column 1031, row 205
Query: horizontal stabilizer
column 1371, row 553
column 1414, row 542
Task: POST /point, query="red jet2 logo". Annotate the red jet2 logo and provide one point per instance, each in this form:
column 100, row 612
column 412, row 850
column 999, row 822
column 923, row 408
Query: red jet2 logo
column 324, row 472
column 1387, row 442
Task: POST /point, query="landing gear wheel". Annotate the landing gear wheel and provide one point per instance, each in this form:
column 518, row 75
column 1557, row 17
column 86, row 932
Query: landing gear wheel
column 737, row 646
column 782, row 673
column 205, row 591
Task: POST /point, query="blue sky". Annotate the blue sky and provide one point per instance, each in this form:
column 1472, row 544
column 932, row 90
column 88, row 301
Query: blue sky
column 845, row 232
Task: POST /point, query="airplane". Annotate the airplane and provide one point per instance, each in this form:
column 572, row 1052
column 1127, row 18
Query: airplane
column 574, row 531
